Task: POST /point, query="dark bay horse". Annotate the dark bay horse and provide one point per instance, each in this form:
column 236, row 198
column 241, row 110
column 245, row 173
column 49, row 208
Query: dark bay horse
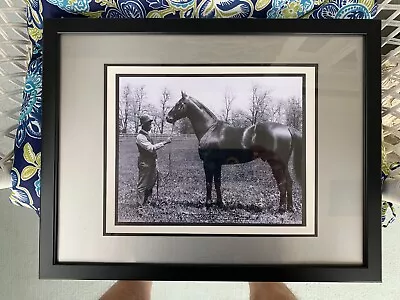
column 222, row 144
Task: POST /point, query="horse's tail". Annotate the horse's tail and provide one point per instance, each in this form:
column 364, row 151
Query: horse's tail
column 297, row 154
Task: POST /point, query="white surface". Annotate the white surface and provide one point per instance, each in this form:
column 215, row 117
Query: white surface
column 19, row 271
column 5, row 178
column 13, row 62
column 389, row 12
column 391, row 190
column 339, row 140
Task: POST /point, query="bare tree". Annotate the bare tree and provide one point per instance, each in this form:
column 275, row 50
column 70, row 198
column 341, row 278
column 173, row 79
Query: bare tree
column 278, row 111
column 228, row 101
column 240, row 118
column 124, row 109
column 294, row 114
column 260, row 102
column 164, row 107
column 185, row 126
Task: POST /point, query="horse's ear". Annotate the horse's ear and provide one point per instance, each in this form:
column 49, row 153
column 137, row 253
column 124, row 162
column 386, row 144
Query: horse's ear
column 183, row 94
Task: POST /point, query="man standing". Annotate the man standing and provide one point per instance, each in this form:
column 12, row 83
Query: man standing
column 147, row 162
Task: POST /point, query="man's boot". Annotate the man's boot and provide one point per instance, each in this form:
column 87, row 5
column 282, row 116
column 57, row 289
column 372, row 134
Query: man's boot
column 141, row 197
column 147, row 195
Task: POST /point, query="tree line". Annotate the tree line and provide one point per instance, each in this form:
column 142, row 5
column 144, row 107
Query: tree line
column 133, row 103
column 261, row 107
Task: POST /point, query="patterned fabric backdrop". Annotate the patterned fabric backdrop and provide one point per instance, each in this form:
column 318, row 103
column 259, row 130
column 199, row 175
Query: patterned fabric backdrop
column 26, row 169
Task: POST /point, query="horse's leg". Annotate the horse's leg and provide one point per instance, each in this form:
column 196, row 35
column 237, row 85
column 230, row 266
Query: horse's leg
column 208, row 169
column 278, row 170
column 217, row 182
column 289, row 189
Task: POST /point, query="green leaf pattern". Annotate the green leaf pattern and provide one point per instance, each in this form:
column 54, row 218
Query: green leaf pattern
column 34, row 162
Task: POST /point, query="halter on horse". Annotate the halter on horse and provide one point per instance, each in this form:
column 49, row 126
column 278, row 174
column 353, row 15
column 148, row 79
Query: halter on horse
column 222, row 144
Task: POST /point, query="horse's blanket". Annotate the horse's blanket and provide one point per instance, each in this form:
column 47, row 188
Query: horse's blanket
column 233, row 145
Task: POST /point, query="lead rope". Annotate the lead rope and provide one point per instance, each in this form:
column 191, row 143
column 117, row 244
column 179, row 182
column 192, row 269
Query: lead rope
column 169, row 161
column 170, row 150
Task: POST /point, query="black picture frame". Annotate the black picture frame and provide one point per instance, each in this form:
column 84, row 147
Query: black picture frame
column 368, row 271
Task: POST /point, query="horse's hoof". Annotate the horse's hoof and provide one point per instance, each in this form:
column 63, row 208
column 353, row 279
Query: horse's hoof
column 208, row 205
column 290, row 209
column 281, row 210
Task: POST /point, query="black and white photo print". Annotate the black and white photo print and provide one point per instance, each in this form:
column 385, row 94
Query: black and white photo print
column 211, row 150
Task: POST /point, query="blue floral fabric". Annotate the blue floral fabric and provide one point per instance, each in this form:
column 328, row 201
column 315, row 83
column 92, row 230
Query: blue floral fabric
column 26, row 168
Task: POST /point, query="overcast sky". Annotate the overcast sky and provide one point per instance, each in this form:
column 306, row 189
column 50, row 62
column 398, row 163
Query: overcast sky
column 210, row 90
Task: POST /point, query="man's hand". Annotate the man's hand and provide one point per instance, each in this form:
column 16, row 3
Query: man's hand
column 168, row 141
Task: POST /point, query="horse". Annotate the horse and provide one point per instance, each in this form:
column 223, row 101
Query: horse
column 223, row 144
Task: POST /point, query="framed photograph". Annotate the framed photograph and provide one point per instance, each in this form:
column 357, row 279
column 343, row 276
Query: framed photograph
column 235, row 164
column 190, row 149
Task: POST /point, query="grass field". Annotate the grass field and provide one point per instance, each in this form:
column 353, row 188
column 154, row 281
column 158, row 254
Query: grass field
column 249, row 190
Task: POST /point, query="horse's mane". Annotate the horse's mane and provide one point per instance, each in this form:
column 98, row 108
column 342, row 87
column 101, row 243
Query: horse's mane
column 202, row 106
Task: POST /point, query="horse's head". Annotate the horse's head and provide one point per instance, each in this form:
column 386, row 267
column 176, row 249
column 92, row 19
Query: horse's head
column 179, row 111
